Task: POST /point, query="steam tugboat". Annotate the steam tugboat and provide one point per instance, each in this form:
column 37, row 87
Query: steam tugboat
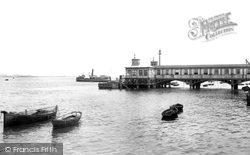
column 93, row 78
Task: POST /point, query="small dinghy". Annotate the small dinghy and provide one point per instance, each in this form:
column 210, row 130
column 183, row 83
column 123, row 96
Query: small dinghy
column 66, row 120
column 178, row 106
column 245, row 88
column 205, row 85
column 170, row 114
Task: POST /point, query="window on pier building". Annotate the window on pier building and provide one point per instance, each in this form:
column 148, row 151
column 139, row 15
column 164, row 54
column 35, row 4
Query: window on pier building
column 216, row 71
column 176, row 71
column 185, row 71
column 129, row 72
column 167, row 71
column 226, row 71
column 140, row 73
column 195, row 71
column 158, row 72
column 238, row 71
column 248, row 71
column 205, row 71
column 232, row 71
column 145, row 72
column 134, row 73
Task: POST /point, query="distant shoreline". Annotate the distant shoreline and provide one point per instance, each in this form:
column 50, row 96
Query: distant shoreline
column 31, row 76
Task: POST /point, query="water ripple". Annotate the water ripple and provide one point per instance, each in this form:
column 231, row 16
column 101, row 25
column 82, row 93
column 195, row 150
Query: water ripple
column 214, row 121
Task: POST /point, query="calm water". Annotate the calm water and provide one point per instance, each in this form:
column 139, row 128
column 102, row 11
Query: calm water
column 215, row 120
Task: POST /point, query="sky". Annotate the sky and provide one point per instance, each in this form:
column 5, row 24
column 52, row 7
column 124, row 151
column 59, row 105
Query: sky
column 69, row 38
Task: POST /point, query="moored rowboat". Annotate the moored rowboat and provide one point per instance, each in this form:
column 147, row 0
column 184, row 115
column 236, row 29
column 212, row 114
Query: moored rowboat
column 69, row 119
column 246, row 89
column 170, row 113
column 12, row 119
column 178, row 106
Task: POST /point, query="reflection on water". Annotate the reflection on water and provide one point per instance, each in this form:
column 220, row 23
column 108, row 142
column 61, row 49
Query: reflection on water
column 24, row 133
column 23, row 129
column 60, row 132
column 215, row 120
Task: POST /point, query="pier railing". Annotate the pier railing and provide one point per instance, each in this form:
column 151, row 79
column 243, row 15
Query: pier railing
column 212, row 77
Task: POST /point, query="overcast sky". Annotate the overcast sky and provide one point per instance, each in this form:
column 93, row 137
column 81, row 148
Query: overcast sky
column 58, row 37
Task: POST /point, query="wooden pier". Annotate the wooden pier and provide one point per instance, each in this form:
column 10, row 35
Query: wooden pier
column 160, row 76
column 109, row 85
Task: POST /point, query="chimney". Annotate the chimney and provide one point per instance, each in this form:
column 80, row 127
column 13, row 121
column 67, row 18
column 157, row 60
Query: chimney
column 135, row 62
column 92, row 72
column 153, row 63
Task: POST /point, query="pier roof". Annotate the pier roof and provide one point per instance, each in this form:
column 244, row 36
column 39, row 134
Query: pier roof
column 138, row 67
column 204, row 66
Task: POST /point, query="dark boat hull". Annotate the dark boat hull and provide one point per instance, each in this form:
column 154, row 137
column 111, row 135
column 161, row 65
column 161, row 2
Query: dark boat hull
column 245, row 88
column 17, row 119
column 108, row 85
column 91, row 80
column 60, row 124
column 175, row 115
column 177, row 106
column 170, row 114
column 166, row 118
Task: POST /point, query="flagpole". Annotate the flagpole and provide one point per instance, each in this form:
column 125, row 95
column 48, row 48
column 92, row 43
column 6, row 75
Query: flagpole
column 247, row 62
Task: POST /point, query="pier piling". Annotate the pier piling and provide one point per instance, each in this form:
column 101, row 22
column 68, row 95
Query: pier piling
column 248, row 99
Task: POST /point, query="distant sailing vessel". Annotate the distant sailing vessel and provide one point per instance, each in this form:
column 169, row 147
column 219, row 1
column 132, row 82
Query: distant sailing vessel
column 93, row 78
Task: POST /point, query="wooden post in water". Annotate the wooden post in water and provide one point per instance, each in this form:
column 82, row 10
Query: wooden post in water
column 3, row 112
column 248, row 98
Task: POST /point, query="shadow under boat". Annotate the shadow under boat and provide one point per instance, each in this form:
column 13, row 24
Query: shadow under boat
column 22, row 129
column 65, row 129
column 164, row 118
column 59, row 132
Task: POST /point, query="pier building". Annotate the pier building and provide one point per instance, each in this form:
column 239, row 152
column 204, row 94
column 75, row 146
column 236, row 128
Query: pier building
column 155, row 76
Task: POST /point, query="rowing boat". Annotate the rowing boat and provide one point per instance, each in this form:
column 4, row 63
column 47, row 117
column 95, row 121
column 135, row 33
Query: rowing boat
column 12, row 119
column 66, row 120
column 170, row 113
column 178, row 106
